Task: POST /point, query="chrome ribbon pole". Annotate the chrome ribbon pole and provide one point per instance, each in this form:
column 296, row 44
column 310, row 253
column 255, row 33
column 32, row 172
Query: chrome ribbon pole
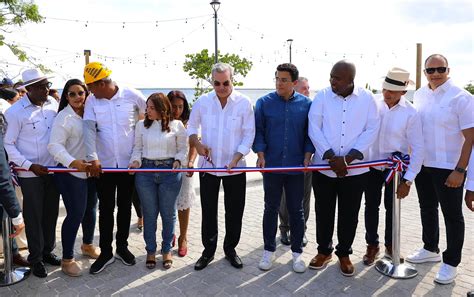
column 393, row 268
column 10, row 276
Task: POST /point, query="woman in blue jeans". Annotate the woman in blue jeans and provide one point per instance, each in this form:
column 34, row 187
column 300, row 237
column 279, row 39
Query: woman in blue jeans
column 78, row 192
column 160, row 142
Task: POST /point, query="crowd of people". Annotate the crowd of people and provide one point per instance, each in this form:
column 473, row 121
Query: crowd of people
column 98, row 124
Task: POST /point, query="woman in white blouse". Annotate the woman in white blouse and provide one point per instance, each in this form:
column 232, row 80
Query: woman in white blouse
column 160, row 142
column 79, row 194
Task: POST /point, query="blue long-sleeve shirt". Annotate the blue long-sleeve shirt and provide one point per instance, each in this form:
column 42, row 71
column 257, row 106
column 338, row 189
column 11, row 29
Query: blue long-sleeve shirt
column 282, row 129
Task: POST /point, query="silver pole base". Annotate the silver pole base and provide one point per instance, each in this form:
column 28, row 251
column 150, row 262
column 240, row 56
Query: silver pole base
column 401, row 271
column 15, row 276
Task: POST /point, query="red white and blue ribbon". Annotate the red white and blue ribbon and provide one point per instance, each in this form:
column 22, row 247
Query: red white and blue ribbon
column 316, row 167
column 397, row 164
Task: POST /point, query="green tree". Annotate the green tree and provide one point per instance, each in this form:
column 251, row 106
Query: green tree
column 470, row 88
column 199, row 67
column 13, row 14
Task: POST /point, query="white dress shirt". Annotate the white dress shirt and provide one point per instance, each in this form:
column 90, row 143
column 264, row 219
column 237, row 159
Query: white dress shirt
column 225, row 130
column 153, row 144
column 27, row 136
column 342, row 124
column 66, row 143
column 400, row 131
column 116, row 119
column 445, row 112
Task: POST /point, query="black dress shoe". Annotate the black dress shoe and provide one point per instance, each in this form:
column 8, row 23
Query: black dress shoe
column 203, row 262
column 52, row 259
column 234, row 261
column 305, row 241
column 39, row 270
column 18, row 260
column 285, row 238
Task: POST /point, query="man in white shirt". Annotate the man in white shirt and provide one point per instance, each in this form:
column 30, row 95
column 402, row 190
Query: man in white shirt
column 447, row 115
column 110, row 116
column 400, row 133
column 343, row 124
column 302, row 87
column 227, row 125
column 26, row 140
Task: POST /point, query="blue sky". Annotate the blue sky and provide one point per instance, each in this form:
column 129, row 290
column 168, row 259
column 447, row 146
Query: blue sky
column 376, row 35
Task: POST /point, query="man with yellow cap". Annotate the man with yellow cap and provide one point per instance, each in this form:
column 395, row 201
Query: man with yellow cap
column 109, row 124
column 400, row 132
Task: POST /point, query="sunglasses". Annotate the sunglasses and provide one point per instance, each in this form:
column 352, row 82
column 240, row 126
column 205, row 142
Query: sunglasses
column 74, row 94
column 439, row 69
column 218, row 83
column 43, row 86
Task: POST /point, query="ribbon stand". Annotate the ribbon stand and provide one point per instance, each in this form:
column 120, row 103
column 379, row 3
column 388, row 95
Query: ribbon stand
column 393, row 268
column 10, row 276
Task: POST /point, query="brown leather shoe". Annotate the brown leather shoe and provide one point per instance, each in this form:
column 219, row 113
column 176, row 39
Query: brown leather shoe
column 320, row 261
column 388, row 254
column 347, row 269
column 18, row 260
column 71, row 267
column 371, row 254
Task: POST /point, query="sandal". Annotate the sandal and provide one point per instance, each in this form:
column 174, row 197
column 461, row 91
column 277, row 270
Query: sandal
column 167, row 263
column 150, row 263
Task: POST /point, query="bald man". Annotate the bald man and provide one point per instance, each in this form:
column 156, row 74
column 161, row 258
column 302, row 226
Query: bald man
column 343, row 124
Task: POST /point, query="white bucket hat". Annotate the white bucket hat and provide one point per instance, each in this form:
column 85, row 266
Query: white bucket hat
column 397, row 79
column 31, row 76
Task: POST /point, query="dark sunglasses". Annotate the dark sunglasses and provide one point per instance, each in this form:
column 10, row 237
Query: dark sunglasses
column 43, row 86
column 439, row 69
column 218, row 83
column 74, row 94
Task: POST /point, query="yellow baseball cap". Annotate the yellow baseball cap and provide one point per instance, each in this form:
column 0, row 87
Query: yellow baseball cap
column 95, row 71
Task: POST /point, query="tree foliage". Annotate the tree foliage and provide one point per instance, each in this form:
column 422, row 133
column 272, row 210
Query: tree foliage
column 14, row 14
column 470, row 88
column 199, row 67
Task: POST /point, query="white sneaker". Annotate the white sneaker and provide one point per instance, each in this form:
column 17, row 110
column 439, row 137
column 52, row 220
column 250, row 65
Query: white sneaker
column 266, row 261
column 423, row 256
column 446, row 274
column 298, row 263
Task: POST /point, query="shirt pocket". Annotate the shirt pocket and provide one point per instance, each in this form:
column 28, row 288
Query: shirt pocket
column 234, row 123
column 102, row 115
column 446, row 117
column 125, row 114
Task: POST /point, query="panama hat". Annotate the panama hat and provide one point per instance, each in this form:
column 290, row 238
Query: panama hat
column 397, row 79
column 32, row 76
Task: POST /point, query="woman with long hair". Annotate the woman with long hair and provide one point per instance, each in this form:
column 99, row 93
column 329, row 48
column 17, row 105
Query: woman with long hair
column 186, row 196
column 79, row 194
column 160, row 142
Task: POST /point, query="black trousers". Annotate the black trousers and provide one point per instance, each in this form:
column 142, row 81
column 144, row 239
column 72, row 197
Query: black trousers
column 373, row 197
column 108, row 185
column 431, row 193
column 234, row 203
column 348, row 192
column 40, row 211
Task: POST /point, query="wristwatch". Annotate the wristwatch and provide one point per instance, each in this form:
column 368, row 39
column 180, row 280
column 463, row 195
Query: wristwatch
column 407, row 182
column 460, row 170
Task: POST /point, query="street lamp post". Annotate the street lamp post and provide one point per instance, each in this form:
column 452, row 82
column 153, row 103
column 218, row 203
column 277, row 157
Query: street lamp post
column 215, row 6
column 290, row 41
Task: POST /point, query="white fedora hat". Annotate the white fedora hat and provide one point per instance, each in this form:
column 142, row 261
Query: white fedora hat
column 31, row 76
column 397, row 79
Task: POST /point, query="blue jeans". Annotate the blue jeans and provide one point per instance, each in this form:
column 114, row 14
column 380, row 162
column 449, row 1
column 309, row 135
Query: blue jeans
column 80, row 200
column 273, row 185
column 158, row 193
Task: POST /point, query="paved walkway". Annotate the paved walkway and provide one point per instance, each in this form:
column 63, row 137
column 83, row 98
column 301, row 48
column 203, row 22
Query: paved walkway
column 220, row 279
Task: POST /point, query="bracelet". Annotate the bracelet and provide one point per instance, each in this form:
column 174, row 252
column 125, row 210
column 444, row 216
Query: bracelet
column 345, row 162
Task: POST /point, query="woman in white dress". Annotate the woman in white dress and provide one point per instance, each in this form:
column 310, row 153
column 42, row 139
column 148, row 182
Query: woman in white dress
column 186, row 196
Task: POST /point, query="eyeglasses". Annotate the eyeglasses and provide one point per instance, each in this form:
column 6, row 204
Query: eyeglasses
column 74, row 94
column 439, row 69
column 218, row 83
column 43, row 86
column 282, row 80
